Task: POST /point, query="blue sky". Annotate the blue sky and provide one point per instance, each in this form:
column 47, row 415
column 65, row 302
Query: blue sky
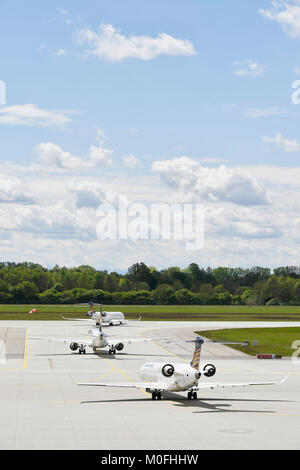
column 167, row 96
column 216, row 91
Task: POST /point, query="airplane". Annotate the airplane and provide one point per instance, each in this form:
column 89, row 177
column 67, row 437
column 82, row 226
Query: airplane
column 108, row 318
column 161, row 377
column 97, row 340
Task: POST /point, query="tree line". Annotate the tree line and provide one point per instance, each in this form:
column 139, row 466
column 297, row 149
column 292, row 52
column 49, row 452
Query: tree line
column 24, row 283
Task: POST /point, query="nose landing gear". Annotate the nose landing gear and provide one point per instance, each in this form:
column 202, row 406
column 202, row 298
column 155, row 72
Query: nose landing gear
column 192, row 395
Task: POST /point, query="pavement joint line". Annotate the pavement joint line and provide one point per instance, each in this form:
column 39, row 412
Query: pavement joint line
column 18, row 369
column 25, row 351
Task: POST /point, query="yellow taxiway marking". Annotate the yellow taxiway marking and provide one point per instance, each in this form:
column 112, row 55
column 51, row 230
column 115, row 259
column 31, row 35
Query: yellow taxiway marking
column 108, row 373
column 170, row 352
column 122, row 373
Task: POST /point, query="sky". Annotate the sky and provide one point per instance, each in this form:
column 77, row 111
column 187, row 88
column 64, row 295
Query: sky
column 189, row 103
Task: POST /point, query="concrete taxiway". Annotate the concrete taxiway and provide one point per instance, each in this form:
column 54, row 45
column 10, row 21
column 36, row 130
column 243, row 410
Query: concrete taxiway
column 41, row 406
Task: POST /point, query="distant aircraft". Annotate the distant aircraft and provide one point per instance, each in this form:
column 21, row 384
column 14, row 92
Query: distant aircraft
column 97, row 340
column 108, row 318
column 160, row 377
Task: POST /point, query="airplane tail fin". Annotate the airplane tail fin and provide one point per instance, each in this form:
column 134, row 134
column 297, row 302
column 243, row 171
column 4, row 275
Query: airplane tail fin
column 92, row 308
column 100, row 320
column 196, row 358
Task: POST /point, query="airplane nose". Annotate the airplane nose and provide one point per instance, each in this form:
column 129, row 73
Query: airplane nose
column 197, row 375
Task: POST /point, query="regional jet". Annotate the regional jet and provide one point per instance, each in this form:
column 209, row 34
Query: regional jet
column 160, row 377
column 108, row 318
column 97, row 339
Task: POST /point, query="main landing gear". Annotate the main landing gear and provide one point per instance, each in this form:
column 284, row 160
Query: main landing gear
column 82, row 350
column 112, row 351
column 192, row 395
column 156, row 395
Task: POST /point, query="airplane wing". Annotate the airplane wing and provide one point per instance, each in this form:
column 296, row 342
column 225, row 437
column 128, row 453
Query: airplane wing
column 236, row 384
column 77, row 319
column 146, row 385
column 132, row 340
column 161, row 386
column 62, row 340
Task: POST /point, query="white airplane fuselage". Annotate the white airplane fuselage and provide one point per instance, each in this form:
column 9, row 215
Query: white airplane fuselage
column 99, row 342
column 109, row 318
column 183, row 378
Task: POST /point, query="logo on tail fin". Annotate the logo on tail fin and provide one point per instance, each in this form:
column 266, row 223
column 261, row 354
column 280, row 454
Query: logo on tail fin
column 92, row 308
column 196, row 358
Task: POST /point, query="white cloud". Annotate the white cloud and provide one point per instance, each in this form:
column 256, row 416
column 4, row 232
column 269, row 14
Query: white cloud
column 91, row 195
column 32, row 115
column 248, row 68
column 65, row 14
column 288, row 145
column 257, row 113
column 64, row 231
column 13, row 191
column 50, row 221
column 249, row 230
column 100, row 155
column 222, row 184
column 53, row 157
column 287, row 15
column 110, row 44
column 130, row 161
column 60, row 53
column 276, row 175
column 100, row 135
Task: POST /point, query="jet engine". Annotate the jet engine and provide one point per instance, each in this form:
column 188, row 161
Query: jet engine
column 168, row 370
column 119, row 347
column 209, row 370
column 74, row 346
